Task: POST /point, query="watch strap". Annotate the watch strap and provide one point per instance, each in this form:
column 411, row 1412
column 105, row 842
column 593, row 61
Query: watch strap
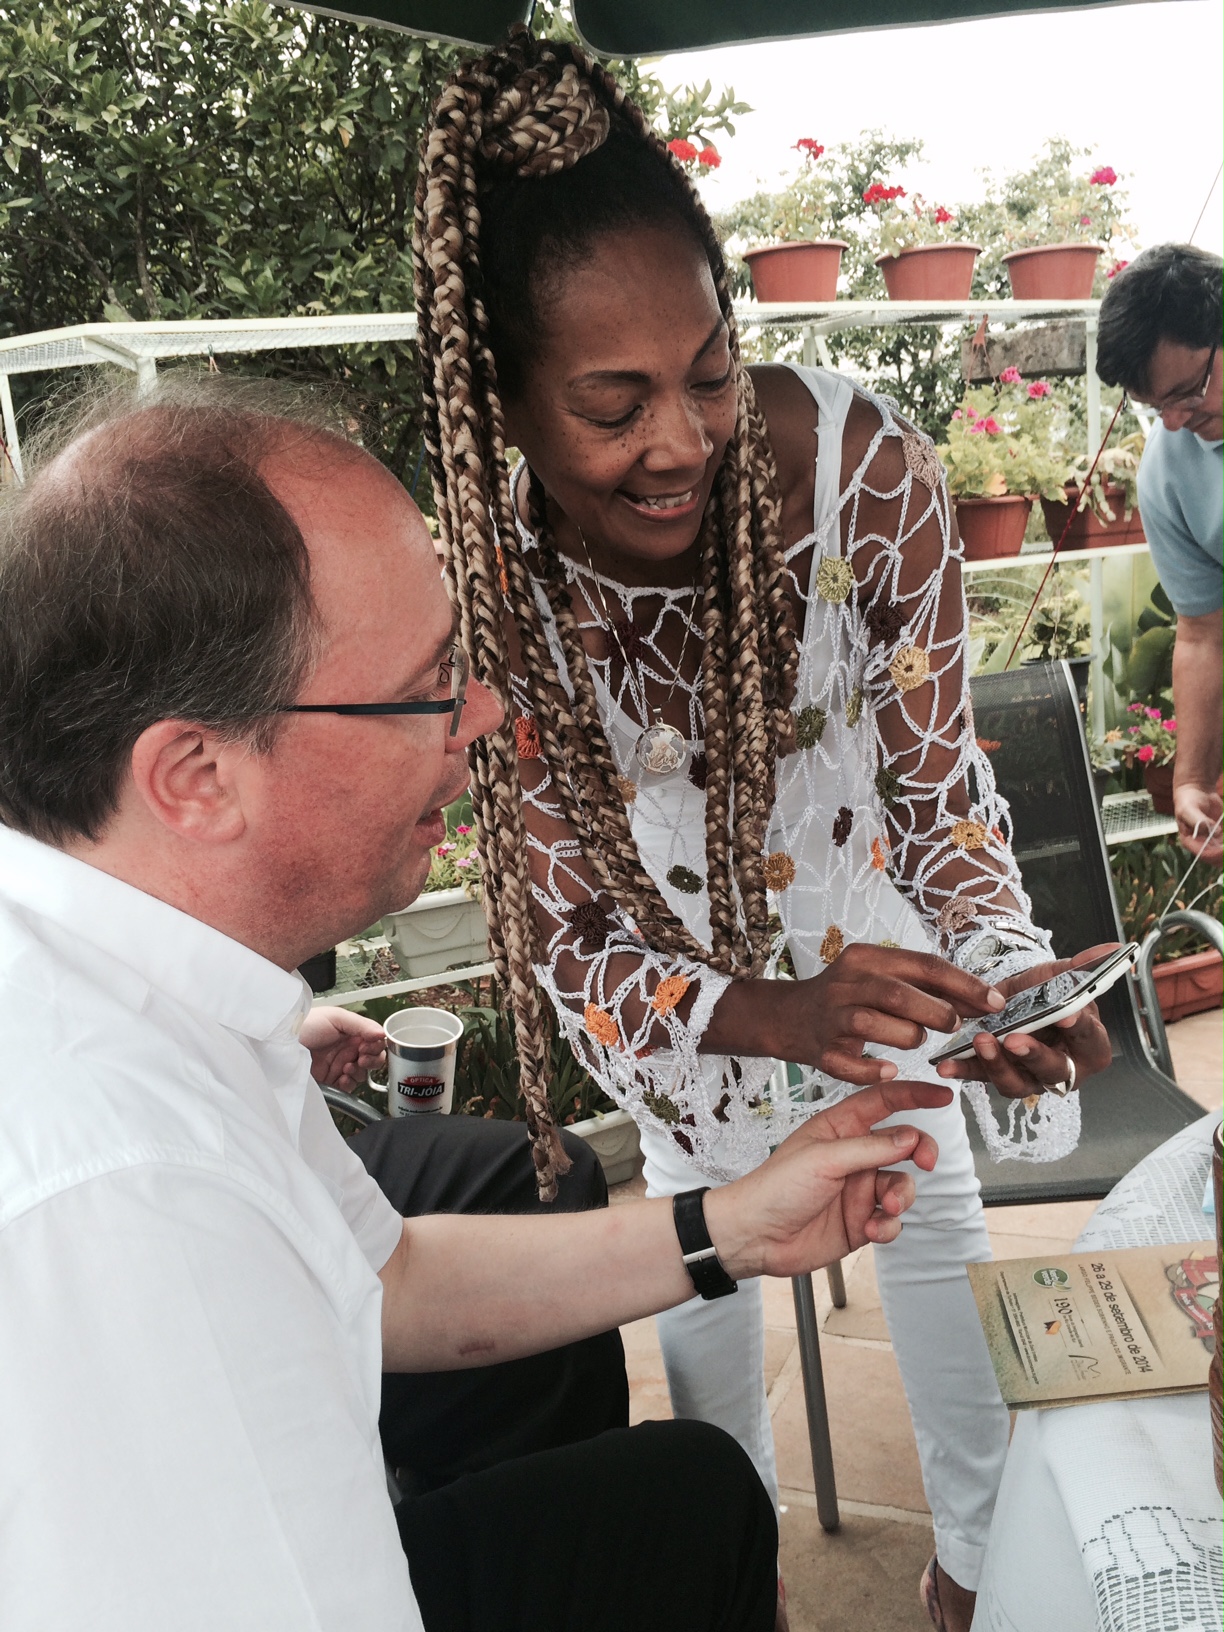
column 700, row 1258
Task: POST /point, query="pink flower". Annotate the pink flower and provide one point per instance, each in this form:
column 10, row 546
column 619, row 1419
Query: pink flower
column 1146, row 754
column 942, row 216
column 1104, row 177
column 1116, row 268
column 1134, row 708
column 1085, row 220
column 1132, row 730
column 809, row 148
column 682, row 150
column 462, row 829
column 1039, row 388
column 464, row 861
column 970, row 413
column 709, row 158
column 1152, row 713
column 978, row 426
column 956, row 414
column 991, row 426
column 443, row 849
column 1010, row 376
column 1170, row 725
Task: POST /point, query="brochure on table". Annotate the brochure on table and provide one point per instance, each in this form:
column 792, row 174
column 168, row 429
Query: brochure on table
column 1099, row 1325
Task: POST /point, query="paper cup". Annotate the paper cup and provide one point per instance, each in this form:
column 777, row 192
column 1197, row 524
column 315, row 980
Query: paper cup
column 421, row 1047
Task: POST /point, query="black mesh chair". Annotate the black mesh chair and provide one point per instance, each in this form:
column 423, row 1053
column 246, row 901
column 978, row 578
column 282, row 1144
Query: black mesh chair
column 1043, row 771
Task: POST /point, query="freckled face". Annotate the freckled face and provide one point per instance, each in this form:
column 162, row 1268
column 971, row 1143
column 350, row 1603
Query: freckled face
column 627, row 409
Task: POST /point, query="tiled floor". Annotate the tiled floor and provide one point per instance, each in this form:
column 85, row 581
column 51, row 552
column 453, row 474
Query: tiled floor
column 864, row 1578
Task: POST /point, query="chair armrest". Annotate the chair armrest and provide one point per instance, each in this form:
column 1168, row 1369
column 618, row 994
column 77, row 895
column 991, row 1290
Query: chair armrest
column 1211, row 931
column 346, row 1105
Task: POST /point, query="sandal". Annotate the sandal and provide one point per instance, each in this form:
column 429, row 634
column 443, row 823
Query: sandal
column 928, row 1593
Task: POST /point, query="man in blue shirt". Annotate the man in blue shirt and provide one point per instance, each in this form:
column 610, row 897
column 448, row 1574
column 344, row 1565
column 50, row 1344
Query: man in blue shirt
column 1159, row 339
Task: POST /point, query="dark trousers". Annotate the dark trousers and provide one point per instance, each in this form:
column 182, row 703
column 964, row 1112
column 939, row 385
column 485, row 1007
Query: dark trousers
column 530, row 1506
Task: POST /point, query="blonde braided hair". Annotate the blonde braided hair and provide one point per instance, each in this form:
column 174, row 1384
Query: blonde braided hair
column 533, row 108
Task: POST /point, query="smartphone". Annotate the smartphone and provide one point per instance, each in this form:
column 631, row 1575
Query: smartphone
column 1046, row 1003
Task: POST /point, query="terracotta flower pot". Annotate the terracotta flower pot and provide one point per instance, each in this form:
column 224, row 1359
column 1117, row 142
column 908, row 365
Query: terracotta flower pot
column 805, row 270
column 930, row 272
column 992, row 527
column 1158, row 780
column 1087, row 531
column 1053, row 271
column 1189, row 985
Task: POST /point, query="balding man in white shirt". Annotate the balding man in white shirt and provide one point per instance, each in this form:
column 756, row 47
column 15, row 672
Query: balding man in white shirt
column 200, row 1283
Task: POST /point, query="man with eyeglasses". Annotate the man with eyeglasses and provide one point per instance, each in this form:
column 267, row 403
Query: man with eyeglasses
column 1159, row 339
column 231, row 715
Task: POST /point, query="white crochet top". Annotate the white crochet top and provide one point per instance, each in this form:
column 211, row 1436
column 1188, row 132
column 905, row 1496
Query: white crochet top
column 886, row 827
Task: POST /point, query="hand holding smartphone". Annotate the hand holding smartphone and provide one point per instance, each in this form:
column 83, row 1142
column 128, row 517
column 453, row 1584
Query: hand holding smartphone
column 1045, row 1004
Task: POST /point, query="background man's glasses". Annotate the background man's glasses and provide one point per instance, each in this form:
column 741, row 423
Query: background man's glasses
column 452, row 673
column 1179, row 400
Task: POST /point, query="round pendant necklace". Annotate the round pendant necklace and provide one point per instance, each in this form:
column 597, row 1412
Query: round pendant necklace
column 661, row 750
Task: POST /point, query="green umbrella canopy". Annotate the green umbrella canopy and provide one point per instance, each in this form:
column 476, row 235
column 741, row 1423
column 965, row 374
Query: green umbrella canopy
column 647, row 28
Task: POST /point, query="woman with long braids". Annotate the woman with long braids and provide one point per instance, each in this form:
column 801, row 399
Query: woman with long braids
column 724, row 610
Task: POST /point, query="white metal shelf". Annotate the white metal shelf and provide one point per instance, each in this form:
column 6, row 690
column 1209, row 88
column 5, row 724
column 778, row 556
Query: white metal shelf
column 1129, row 816
column 830, row 316
column 347, row 993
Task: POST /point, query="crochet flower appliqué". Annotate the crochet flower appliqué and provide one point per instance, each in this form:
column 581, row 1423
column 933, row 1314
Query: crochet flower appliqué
column 834, row 578
column 527, row 737
column 809, row 725
column 627, row 788
column 887, row 785
column 668, row 993
column 956, row 914
column 910, row 668
column 833, row 945
column 885, row 621
column 854, row 706
column 592, row 925
column 842, row 825
column 685, row 880
column 921, row 460
column 659, row 1105
column 600, row 1024
column 968, row 835
column 879, row 855
column 778, row 870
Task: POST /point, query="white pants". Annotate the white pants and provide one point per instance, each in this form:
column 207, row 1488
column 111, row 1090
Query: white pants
column 714, row 1352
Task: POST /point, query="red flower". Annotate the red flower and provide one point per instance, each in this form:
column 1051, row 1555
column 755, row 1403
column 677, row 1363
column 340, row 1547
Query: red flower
column 1146, row 754
column 1104, row 177
column 991, row 426
column 1116, row 268
column 877, row 193
column 942, row 215
column 1039, row 388
column 682, row 150
column 709, row 158
column 809, row 148
column 1010, row 376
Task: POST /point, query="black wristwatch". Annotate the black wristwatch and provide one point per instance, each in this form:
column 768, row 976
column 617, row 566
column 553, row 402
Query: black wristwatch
column 700, row 1259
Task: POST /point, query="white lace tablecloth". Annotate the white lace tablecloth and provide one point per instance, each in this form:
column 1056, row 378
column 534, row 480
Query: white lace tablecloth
column 1108, row 1518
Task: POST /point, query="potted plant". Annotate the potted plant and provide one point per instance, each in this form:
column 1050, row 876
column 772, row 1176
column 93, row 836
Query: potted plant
column 998, row 455
column 1106, row 511
column 797, row 264
column 923, row 258
column 1189, row 973
column 444, row 928
column 487, row 1084
column 1061, row 239
column 1150, row 740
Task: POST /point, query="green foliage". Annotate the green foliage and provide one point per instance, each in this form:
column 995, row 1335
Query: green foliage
column 1145, row 876
column 1055, row 200
column 1139, row 663
column 487, row 1070
column 913, row 223
column 168, row 160
column 1000, row 440
column 455, row 863
column 1059, row 627
column 1118, row 467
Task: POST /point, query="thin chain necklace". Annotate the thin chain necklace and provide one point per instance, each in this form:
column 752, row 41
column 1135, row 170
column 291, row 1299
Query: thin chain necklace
column 661, row 750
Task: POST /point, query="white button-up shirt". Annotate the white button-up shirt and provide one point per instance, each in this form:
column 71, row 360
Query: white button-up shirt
column 190, row 1344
